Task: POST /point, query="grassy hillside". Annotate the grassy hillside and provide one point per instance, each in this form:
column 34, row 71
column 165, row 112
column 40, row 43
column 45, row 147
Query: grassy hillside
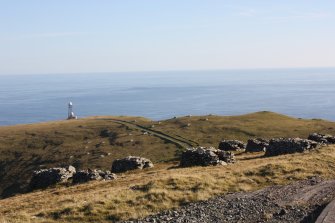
column 139, row 193
column 24, row 148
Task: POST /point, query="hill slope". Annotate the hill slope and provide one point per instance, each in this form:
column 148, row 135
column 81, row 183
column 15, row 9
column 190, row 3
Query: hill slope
column 25, row 148
column 139, row 193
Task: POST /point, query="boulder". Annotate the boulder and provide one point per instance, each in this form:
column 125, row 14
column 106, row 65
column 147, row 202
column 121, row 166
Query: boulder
column 203, row 156
column 257, row 145
column 290, row 145
column 130, row 163
column 46, row 177
column 317, row 137
column 231, row 145
column 84, row 176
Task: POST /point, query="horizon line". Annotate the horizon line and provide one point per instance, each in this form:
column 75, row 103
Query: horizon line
column 172, row 70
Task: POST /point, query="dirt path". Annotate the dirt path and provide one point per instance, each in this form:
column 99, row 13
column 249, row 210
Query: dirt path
column 177, row 140
column 328, row 214
column 301, row 201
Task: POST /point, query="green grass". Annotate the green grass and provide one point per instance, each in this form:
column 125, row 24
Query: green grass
column 24, row 148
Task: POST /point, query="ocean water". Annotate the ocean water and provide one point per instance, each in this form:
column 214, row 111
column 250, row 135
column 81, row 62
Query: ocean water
column 305, row 93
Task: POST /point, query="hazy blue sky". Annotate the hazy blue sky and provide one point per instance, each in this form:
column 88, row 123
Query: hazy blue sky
column 60, row 36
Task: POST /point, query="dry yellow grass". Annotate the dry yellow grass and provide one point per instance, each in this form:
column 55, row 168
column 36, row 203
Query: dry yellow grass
column 25, row 148
column 139, row 193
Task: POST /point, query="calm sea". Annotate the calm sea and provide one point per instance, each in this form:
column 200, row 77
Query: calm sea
column 305, row 93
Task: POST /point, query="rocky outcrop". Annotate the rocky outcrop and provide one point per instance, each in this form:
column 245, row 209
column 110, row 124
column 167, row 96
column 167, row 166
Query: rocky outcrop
column 290, row 145
column 257, row 145
column 231, row 145
column 130, row 163
column 203, row 156
column 84, row 176
column 317, row 137
column 46, row 177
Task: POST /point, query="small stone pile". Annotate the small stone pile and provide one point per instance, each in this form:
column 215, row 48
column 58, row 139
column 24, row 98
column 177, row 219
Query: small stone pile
column 317, row 137
column 46, row 177
column 257, row 145
column 84, row 176
column 131, row 163
column 232, row 145
column 203, row 156
column 289, row 145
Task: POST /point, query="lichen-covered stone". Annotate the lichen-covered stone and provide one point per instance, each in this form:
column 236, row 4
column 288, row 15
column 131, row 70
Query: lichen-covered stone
column 130, row 163
column 231, row 145
column 46, row 177
column 84, row 176
column 257, row 145
column 282, row 146
column 203, row 156
column 317, row 137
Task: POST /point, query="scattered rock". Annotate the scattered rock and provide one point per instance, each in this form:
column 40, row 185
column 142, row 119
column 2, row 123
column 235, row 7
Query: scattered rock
column 257, row 145
column 317, row 137
column 46, row 177
column 297, row 202
column 130, row 163
column 232, row 145
column 84, row 176
column 203, row 156
column 290, row 145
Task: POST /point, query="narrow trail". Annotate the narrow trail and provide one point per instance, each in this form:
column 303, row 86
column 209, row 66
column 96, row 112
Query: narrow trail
column 179, row 141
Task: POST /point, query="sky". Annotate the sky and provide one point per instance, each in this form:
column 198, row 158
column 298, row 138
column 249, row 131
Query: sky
column 74, row 36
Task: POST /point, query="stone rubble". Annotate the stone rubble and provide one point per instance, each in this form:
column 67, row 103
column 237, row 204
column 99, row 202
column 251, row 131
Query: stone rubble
column 46, row 177
column 257, row 145
column 84, row 176
column 131, row 163
column 317, row 137
column 283, row 146
column 232, row 145
column 203, row 156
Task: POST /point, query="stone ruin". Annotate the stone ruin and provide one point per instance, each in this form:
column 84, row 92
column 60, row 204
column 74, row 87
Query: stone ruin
column 130, row 163
column 257, row 145
column 283, row 146
column 326, row 139
column 46, row 177
column 203, row 156
column 232, row 145
column 84, row 176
